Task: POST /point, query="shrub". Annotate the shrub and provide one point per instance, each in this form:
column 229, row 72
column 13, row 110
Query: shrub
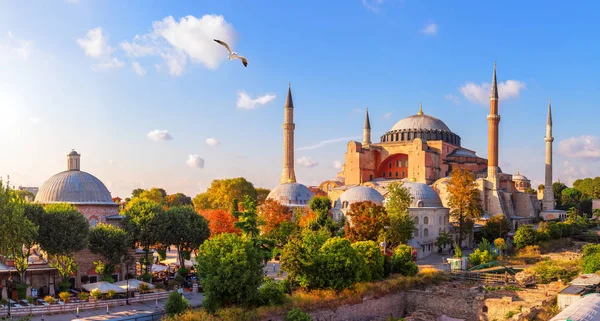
column 22, row 290
column 110, row 294
column 172, row 285
column 183, row 271
column 524, row 236
column 500, row 244
column 387, row 266
column 542, row 236
column 402, row 261
column 370, row 253
column 146, row 277
column 552, row 270
column 297, row 315
column 64, row 296
column 591, row 258
column 30, row 299
column 96, row 294
column 566, row 229
column 83, row 296
column 143, row 287
column 340, row 265
column 478, row 257
column 176, row 304
column 457, row 252
column 49, row 299
column 271, row 292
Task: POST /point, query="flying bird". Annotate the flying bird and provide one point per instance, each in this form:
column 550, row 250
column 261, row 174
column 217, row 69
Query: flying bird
column 232, row 55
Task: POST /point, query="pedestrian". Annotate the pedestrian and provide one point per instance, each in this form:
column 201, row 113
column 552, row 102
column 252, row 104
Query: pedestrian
column 273, row 267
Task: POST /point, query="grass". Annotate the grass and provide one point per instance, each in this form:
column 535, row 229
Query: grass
column 512, row 288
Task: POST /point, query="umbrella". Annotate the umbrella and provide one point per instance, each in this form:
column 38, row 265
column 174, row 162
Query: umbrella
column 133, row 284
column 156, row 268
column 188, row 263
column 103, row 287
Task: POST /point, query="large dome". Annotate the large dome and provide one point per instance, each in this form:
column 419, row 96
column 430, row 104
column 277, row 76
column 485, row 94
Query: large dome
column 360, row 194
column 420, row 126
column 423, row 195
column 291, row 194
column 421, row 121
column 75, row 187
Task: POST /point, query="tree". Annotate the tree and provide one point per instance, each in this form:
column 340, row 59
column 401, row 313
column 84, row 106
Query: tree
column 112, row 243
column 230, row 267
column 340, row 266
column 401, row 225
column 247, row 217
column 136, row 192
column 142, row 221
column 591, row 258
column 443, row 239
column 557, row 188
column 176, row 304
column 500, row 244
column 531, row 191
column 321, row 205
column 589, row 187
column 464, row 200
column 300, row 257
column 261, row 195
column 366, row 221
column 154, row 194
column 183, row 228
column 222, row 192
column 25, row 195
column 65, row 266
column 524, row 236
column 63, row 230
column 497, row 226
column 402, row 261
column 271, row 215
column 372, row 267
column 178, row 199
column 220, row 221
column 571, row 198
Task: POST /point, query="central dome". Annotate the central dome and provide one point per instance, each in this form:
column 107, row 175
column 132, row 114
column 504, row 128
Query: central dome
column 421, row 121
column 74, row 187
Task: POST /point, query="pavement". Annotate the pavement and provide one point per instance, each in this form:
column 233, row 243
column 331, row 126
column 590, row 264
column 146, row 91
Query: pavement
column 435, row 258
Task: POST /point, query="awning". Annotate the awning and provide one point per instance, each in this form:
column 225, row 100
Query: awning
column 133, row 284
column 103, row 287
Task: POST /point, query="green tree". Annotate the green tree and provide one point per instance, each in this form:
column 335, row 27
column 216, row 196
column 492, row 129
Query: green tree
column 261, row 195
column 401, row 225
column 321, row 205
column 142, row 223
column 176, row 304
column 183, row 228
column 366, row 221
column 481, row 257
column 464, row 201
column 178, row 199
column 497, row 226
column 443, row 239
column 154, row 194
column 402, row 261
column 591, row 258
column 25, row 195
column 571, row 198
column 136, row 192
column 524, row 236
column 230, row 267
column 296, row 314
column 300, row 257
column 247, row 217
column 557, row 188
column 340, row 266
column 222, row 192
column 372, row 257
column 112, row 243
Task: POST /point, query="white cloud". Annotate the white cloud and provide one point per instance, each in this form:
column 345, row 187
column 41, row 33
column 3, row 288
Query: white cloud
column 480, row 94
column 452, row 98
column 34, row 120
column 157, row 67
column 195, row 161
column 387, row 115
column 325, row 143
column 138, row 69
column 159, row 135
column 582, row 147
column 13, row 47
column 189, row 38
column 572, row 172
column 111, row 162
column 212, row 141
column 95, row 44
column 337, row 164
column 372, row 5
column 244, row 100
column 110, row 64
column 430, row 29
column 307, row 162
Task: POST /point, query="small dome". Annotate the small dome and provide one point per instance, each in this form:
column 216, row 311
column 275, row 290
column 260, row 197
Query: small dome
column 74, row 187
column 519, row 177
column 421, row 121
column 423, row 195
column 360, row 194
column 291, row 194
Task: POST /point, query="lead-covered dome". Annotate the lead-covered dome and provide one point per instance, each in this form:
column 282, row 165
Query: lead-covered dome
column 360, row 194
column 421, row 121
column 423, row 195
column 75, row 187
column 291, row 194
column 421, row 126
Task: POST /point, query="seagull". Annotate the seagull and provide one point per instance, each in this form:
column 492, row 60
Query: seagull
column 232, row 55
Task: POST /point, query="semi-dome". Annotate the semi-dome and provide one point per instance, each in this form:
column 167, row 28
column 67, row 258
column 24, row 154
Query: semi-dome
column 291, row 194
column 75, row 187
column 423, row 195
column 360, row 194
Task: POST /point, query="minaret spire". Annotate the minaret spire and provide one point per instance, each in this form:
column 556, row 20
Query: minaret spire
column 494, row 91
column 288, row 175
column 420, row 109
column 493, row 121
column 548, row 200
column 367, row 131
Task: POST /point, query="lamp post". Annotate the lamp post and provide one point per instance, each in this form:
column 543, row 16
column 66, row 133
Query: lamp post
column 127, row 277
column 9, row 286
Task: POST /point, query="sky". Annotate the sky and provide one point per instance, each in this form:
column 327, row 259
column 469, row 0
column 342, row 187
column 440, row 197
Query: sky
column 149, row 100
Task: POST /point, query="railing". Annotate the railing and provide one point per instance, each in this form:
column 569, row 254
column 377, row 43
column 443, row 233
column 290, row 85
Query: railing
column 485, row 278
column 70, row 307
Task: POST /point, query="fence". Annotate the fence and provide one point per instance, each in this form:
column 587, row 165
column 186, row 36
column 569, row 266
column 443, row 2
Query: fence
column 485, row 278
column 70, row 307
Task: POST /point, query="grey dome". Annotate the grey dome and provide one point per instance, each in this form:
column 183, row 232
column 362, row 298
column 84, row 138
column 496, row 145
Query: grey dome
column 75, row 187
column 423, row 195
column 291, row 194
column 519, row 177
column 421, row 121
column 360, row 194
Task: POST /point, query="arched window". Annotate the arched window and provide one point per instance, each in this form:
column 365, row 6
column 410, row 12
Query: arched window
column 426, row 232
column 426, row 220
column 440, row 220
column 93, row 222
column 390, row 174
column 390, row 165
column 420, row 204
column 416, row 219
column 383, row 174
column 396, row 174
column 416, row 232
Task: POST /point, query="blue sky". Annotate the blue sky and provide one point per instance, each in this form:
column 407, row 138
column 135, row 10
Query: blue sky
column 73, row 75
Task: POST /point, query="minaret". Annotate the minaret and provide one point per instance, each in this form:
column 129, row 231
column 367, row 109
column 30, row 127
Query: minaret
column 367, row 131
column 548, row 200
column 73, row 161
column 288, row 175
column 493, row 121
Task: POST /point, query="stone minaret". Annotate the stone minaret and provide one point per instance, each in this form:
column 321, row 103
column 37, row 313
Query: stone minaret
column 548, row 200
column 367, row 131
column 288, row 174
column 493, row 121
column 73, row 161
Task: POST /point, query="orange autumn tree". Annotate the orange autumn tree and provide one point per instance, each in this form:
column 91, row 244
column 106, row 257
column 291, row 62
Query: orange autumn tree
column 366, row 222
column 220, row 221
column 272, row 214
column 464, row 201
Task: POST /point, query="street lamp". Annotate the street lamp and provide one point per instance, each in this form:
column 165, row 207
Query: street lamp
column 127, row 277
column 9, row 286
